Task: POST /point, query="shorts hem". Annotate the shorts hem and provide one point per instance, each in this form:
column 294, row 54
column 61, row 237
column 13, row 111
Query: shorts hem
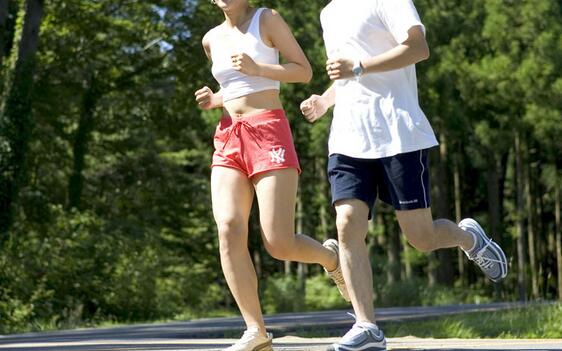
column 299, row 171
column 410, row 207
column 230, row 166
column 349, row 196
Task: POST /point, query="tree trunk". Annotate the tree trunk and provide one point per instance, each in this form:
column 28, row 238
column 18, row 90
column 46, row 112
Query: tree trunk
column 255, row 243
column 407, row 259
column 445, row 272
column 493, row 186
column 457, row 187
column 81, row 141
column 324, row 192
column 393, row 252
column 521, row 247
column 458, row 218
column 301, row 268
column 493, row 175
column 287, row 268
column 558, row 229
column 16, row 121
column 531, row 227
column 3, row 39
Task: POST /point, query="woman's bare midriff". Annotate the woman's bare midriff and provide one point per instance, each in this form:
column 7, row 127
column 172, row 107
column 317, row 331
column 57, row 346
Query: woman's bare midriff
column 253, row 103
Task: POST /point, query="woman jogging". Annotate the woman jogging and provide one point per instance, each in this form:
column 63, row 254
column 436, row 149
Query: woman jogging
column 254, row 153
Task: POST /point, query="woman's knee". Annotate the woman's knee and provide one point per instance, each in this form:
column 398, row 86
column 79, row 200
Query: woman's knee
column 232, row 233
column 280, row 247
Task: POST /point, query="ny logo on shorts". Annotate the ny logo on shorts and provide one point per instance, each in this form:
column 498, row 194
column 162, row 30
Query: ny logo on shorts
column 277, row 156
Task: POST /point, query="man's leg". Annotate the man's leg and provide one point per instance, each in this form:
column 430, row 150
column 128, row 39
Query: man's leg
column 427, row 235
column 352, row 224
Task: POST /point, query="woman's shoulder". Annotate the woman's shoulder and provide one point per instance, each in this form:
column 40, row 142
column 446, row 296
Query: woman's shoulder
column 212, row 33
column 268, row 13
column 270, row 17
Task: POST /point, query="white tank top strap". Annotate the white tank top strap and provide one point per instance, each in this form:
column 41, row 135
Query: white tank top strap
column 254, row 27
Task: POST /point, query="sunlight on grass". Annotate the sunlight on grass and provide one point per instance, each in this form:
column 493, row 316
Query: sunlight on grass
column 536, row 322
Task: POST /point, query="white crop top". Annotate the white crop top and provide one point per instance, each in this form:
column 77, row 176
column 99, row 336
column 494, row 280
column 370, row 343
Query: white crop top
column 233, row 83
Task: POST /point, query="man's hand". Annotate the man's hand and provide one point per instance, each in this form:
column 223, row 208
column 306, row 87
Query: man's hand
column 313, row 108
column 206, row 98
column 245, row 64
column 339, row 68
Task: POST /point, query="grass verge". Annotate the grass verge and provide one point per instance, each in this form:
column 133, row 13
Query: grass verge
column 537, row 322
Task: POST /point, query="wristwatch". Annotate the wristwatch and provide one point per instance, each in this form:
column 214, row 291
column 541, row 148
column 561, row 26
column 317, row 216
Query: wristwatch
column 357, row 69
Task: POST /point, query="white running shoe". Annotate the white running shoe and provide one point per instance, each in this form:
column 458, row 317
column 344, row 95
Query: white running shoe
column 361, row 337
column 336, row 275
column 486, row 254
column 252, row 340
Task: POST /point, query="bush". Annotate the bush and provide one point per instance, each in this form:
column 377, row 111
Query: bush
column 282, row 294
column 416, row 292
column 322, row 294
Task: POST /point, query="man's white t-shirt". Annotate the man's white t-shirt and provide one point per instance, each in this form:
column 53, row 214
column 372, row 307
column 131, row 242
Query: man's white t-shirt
column 377, row 115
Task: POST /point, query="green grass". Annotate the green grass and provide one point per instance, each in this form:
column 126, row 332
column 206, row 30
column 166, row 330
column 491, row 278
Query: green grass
column 534, row 322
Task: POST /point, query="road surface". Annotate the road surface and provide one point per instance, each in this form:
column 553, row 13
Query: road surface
column 217, row 333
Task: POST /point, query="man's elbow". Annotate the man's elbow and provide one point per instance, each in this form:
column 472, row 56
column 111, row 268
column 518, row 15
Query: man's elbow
column 423, row 52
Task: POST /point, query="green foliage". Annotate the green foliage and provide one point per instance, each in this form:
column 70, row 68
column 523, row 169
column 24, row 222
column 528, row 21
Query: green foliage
column 282, row 294
column 322, row 294
column 416, row 292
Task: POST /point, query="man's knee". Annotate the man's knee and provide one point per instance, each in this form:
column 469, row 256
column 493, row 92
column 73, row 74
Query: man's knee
column 351, row 223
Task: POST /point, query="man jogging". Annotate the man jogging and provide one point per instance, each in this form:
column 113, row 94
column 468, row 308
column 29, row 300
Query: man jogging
column 378, row 146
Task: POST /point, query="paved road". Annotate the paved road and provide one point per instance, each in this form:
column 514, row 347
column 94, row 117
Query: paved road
column 203, row 334
column 287, row 343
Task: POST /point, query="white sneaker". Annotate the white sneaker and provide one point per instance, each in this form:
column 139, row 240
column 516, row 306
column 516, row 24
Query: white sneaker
column 336, row 275
column 252, row 340
column 361, row 337
column 486, row 254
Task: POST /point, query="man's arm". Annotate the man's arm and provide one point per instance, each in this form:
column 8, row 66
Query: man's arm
column 411, row 51
column 316, row 106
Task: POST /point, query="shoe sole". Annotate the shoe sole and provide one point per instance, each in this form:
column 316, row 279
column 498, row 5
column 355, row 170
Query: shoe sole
column 367, row 347
column 469, row 222
column 264, row 347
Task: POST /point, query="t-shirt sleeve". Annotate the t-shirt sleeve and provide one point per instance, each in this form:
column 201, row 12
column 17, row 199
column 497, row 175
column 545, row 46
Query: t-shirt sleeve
column 398, row 16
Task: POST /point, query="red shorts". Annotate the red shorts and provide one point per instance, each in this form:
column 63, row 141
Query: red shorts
column 255, row 143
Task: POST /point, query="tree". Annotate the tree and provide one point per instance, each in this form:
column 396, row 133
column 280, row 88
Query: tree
column 16, row 121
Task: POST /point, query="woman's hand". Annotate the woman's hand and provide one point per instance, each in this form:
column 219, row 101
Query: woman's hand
column 245, row 64
column 207, row 99
column 313, row 108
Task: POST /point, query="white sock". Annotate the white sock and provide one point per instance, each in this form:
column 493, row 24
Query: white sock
column 368, row 325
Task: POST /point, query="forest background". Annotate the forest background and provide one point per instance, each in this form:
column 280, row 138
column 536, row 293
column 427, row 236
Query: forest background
column 105, row 211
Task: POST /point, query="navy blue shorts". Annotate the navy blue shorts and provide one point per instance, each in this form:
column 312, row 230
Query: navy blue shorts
column 401, row 180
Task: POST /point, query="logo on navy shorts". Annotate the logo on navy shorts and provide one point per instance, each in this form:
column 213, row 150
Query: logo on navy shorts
column 277, row 156
column 407, row 202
